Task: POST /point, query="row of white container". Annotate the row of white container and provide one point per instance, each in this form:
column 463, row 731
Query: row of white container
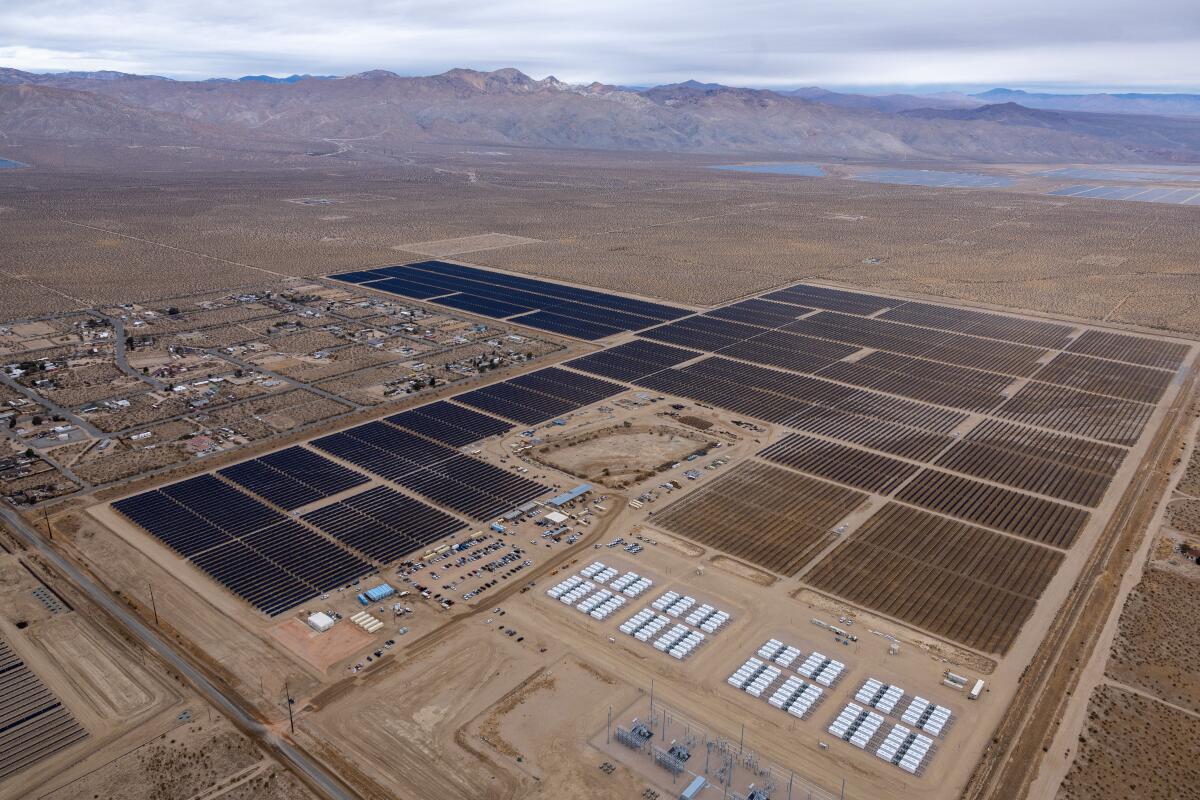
column 796, row 697
column 877, row 694
column 571, row 591
column 782, row 654
column 598, row 572
column 679, row 642
column 366, row 621
column 673, row 604
column 602, row 604
column 905, row 749
column 644, row 624
column 856, row 725
column 926, row 715
column 565, row 585
column 631, row 584
column 707, row 619
column 822, row 669
column 754, row 677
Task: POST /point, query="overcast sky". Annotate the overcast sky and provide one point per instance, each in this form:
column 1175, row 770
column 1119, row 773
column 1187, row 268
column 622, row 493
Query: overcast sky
column 1088, row 44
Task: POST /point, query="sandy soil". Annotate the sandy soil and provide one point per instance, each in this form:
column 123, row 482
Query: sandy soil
column 1134, row 747
column 618, row 455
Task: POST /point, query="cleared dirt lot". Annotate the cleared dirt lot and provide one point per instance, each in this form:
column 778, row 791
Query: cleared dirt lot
column 1134, row 747
column 619, row 454
column 1158, row 642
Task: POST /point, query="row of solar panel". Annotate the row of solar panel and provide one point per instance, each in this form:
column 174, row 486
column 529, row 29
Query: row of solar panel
column 384, row 523
column 441, row 473
column 259, row 554
column 293, row 477
column 632, row 360
column 451, row 424
column 569, row 310
column 539, row 396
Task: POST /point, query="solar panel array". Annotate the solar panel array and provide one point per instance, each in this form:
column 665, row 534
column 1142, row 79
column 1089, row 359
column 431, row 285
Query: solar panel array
column 953, row 579
column 1140, row 194
column 945, row 346
column 633, row 360
column 383, row 523
column 293, row 477
column 256, row 552
column 553, row 307
column 538, row 396
column 451, row 424
column 34, row 724
column 440, row 473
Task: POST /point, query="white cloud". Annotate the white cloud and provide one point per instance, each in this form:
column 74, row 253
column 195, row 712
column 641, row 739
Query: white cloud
column 755, row 42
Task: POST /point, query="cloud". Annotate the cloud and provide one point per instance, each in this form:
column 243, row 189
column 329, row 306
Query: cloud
column 755, row 42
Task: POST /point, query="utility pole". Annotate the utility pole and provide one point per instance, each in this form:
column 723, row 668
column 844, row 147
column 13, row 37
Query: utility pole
column 843, row 789
column 608, row 730
column 153, row 605
column 46, row 519
column 291, row 721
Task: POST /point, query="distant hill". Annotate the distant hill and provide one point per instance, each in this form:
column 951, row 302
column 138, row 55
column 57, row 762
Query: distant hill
column 1180, row 105
column 882, row 102
column 1175, row 134
column 378, row 111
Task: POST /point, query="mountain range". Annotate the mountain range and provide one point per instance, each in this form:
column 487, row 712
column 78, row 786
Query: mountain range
column 380, row 110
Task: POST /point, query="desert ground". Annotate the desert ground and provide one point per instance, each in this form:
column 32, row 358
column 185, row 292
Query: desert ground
column 836, row 539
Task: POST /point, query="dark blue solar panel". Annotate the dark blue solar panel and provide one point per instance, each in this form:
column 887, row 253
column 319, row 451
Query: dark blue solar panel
column 384, row 524
column 589, row 296
column 359, row 276
column 516, row 403
column 580, row 329
column 581, row 389
column 569, row 310
column 482, row 305
column 254, row 578
column 232, row 511
column 763, row 313
column 446, row 422
column 183, row 531
column 310, row 557
column 418, row 291
column 326, row 476
column 271, row 485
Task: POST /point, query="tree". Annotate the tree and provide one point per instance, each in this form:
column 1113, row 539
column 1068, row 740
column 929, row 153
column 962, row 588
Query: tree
column 37, row 420
column 29, row 452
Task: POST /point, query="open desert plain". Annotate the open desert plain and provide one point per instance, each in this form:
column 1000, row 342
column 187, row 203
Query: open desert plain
column 511, row 473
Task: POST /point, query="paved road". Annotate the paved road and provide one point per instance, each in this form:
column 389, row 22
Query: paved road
column 328, row 784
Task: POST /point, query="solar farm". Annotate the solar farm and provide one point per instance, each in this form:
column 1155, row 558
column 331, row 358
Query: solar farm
column 34, row 724
column 893, row 498
column 1138, row 194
